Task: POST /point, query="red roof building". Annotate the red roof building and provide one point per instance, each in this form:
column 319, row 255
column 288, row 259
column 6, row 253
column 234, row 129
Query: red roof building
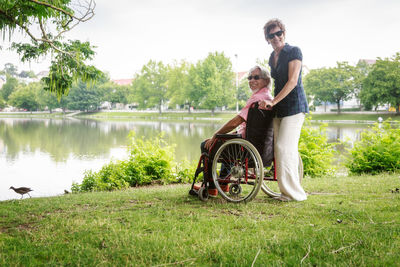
column 123, row 81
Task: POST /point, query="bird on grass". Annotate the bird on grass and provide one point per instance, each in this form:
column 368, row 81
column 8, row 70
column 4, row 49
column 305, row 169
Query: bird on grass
column 22, row 190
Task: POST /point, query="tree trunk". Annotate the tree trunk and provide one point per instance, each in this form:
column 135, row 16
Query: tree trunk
column 338, row 107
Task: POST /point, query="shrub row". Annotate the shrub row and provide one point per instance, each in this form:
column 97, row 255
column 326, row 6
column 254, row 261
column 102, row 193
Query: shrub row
column 317, row 154
column 378, row 150
column 149, row 162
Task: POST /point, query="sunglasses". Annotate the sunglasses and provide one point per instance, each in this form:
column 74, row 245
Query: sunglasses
column 255, row 77
column 272, row 35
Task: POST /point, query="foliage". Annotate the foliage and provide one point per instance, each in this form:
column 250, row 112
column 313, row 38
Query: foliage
column 114, row 93
column 178, row 83
column 150, row 162
column 331, row 84
column 53, row 19
column 211, row 82
column 382, row 85
column 24, row 97
column 317, row 154
column 10, row 69
column 2, row 102
column 47, row 99
column 377, row 151
column 361, row 71
column 9, row 87
column 244, row 93
column 84, row 97
column 27, row 74
column 150, row 86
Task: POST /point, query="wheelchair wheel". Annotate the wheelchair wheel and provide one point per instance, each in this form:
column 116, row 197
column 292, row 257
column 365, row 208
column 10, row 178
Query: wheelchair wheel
column 203, row 194
column 270, row 185
column 237, row 164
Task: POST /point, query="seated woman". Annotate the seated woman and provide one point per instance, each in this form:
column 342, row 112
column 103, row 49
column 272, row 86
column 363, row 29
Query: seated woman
column 260, row 85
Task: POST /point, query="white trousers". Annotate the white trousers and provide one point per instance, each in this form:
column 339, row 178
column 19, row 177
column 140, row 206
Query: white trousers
column 286, row 146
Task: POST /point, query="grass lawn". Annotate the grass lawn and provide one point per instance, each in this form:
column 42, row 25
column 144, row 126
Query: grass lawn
column 347, row 221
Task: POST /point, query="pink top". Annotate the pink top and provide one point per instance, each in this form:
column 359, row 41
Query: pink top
column 262, row 94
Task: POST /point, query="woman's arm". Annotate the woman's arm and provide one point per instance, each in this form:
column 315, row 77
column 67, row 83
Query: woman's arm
column 226, row 128
column 294, row 72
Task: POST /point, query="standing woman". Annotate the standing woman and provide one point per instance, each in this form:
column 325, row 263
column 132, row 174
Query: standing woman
column 289, row 106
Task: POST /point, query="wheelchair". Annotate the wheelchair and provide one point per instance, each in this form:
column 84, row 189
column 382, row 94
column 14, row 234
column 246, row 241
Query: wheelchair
column 243, row 166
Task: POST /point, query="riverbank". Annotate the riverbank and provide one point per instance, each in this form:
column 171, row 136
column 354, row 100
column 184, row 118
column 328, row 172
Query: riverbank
column 345, row 117
column 347, row 221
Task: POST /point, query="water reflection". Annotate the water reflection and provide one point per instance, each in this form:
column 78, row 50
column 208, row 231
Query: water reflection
column 348, row 133
column 49, row 154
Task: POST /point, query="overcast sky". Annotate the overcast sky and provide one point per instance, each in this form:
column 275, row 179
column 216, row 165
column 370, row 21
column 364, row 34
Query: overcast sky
column 129, row 33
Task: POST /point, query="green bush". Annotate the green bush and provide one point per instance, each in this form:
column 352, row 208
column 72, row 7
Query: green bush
column 149, row 162
column 317, row 154
column 378, row 150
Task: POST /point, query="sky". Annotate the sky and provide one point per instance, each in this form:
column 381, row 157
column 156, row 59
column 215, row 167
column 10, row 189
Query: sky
column 129, row 33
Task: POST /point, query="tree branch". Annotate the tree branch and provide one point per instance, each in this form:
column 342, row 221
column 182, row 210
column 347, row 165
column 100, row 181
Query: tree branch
column 89, row 11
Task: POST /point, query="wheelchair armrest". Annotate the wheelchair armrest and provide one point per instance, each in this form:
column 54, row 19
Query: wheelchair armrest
column 228, row 136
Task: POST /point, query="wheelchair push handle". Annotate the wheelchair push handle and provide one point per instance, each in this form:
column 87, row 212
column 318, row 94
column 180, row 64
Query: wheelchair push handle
column 257, row 105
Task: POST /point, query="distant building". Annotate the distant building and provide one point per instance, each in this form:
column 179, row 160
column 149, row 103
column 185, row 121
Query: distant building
column 368, row 61
column 43, row 73
column 123, row 81
column 242, row 74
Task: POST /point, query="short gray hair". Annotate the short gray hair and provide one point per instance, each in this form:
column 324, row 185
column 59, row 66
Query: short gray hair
column 264, row 72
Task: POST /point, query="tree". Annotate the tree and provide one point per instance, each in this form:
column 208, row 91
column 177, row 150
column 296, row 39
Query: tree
column 27, row 74
column 331, row 84
column 212, row 82
column 24, row 97
column 45, row 98
column 10, row 69
column 150, row 86
column 178, row 83
column 382, row 85
column 53, row 19
column 360, row 73
column 244, row 92
column 2, row 103
column 84, row 97
column 8, row 87
column 115, row 93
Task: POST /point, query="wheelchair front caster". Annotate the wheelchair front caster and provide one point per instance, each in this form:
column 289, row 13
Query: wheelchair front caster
column 235, row 190
column 203, row 194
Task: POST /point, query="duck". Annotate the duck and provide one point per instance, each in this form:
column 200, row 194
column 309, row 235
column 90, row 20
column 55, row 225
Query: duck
column 22, row 190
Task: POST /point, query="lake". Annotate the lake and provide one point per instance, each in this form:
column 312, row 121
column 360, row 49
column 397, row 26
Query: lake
column 48, row 155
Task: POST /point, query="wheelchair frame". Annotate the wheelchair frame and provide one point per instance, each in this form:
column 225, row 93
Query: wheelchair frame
column 246, row 176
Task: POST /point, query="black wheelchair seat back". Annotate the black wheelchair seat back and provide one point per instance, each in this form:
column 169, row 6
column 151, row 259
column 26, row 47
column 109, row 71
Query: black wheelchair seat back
column 260, row 132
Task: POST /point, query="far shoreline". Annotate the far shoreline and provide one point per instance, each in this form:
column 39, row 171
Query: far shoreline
column 203, row 115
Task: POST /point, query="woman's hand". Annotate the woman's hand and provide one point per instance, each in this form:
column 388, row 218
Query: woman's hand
column 265, row 104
